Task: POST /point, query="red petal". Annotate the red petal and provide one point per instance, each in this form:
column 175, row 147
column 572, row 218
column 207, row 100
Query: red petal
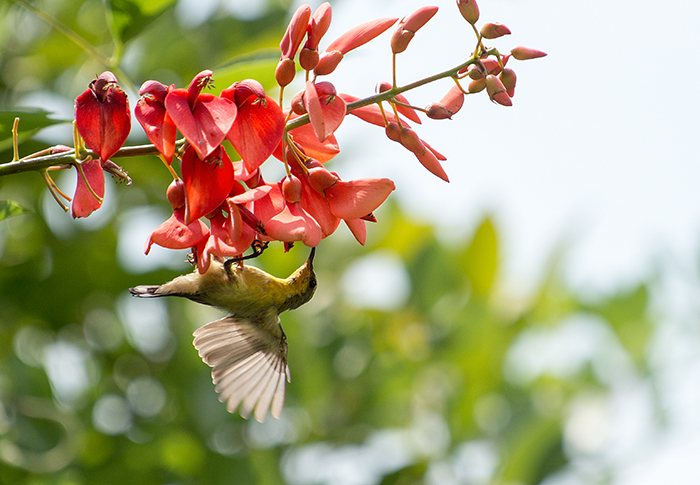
column 158, row 125
column 257, row 130
column 371, row 113
column 317, row 206
column 296, row 30
column 103, row 125
column 205, row 127
column 84, row 203
column 175, row 234
column 294, row 224
column 361, row 34
column 206, row 183
column 305, row 137
column 357, row 198
column 430, row 161
column 358, row 229
column 220, row 242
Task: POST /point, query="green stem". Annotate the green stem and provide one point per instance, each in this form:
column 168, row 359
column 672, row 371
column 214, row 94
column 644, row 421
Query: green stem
column 386, row 95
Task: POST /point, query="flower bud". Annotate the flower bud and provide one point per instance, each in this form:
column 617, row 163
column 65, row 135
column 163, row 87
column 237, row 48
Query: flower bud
column 382, row 87
column 477, row 85
column 393, row 131
column 321, row 179
column 328, row 62
column 308, row 59
column 524, row 53
column 469, row 10
column 400, row 40
column 297, row 103
column 453, row 100
column 437, row 111
column 409, row 26
column 494, row 30
column 475, row 71
column 497, row 91
column 176, row 194
column 291, row 188
column 508, row 79
column 409, row 139
column 285, row 72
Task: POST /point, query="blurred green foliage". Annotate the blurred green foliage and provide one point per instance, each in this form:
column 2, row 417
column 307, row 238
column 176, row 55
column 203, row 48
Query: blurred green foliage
column 427, row 388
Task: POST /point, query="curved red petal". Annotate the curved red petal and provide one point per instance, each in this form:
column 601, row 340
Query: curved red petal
column 84, row 203
column 175, row 234
column 361, row 34
column 257, row 130
column 358, row 229
column 206, row 126
column 357, row 198
column 206, row 183
column 294, row 224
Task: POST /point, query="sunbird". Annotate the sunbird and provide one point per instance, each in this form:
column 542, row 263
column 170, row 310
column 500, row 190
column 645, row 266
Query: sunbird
column 247, row 350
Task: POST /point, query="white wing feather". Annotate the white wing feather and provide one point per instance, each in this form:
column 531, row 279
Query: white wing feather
column 249, row 363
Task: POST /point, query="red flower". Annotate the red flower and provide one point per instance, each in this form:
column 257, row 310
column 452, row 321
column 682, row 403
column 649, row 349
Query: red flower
column 90, row 189
column 207, row 182
column 203, row 119
column 175, row 233
column 326, row 110
column 102, row 116
column 154, row 118
column 259, row 124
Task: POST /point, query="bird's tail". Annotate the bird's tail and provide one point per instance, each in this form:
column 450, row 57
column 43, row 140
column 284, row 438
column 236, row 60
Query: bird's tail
column 145, row 291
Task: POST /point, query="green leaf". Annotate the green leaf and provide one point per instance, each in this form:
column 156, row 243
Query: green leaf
column 259, row 65
column 480, row 259
column 9, row 208
column 30, row 122
column 131, row 17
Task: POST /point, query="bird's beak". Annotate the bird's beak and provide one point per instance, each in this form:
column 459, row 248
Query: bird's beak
column 310, row 260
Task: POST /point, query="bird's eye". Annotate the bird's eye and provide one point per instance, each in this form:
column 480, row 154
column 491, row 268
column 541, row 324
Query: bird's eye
column 312, row 283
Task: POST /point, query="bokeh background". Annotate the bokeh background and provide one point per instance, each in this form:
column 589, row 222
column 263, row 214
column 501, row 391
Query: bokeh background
column 533, row 321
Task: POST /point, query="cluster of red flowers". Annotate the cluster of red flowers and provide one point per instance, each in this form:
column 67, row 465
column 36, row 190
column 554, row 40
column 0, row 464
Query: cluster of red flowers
column 310, row 201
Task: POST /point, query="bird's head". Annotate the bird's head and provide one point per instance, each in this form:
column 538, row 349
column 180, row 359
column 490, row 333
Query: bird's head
column 302, row 284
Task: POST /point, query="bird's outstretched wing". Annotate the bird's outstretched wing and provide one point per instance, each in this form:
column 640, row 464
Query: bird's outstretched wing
column 249, row 362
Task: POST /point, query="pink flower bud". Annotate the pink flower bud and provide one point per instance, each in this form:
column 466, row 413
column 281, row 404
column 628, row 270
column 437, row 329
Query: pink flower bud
column 409, row 26
column 475, row 71
column 453, row 100
column 296, row 30
column 382, row 87
column 285, row 72
column 477, row 85
column 525, row 53
column 297, row 103
column 321, row 179
column 400, row 40
column 469, row 10
column 308, row 59
column 494, row 30
column 291, row 188
column 393, row 131
column 409, row 139
column 328, row 62
column 437, row 111
column 176, row 194
column 497, row 91
column 508, row 79
column 319, row 25
column 419, row 18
